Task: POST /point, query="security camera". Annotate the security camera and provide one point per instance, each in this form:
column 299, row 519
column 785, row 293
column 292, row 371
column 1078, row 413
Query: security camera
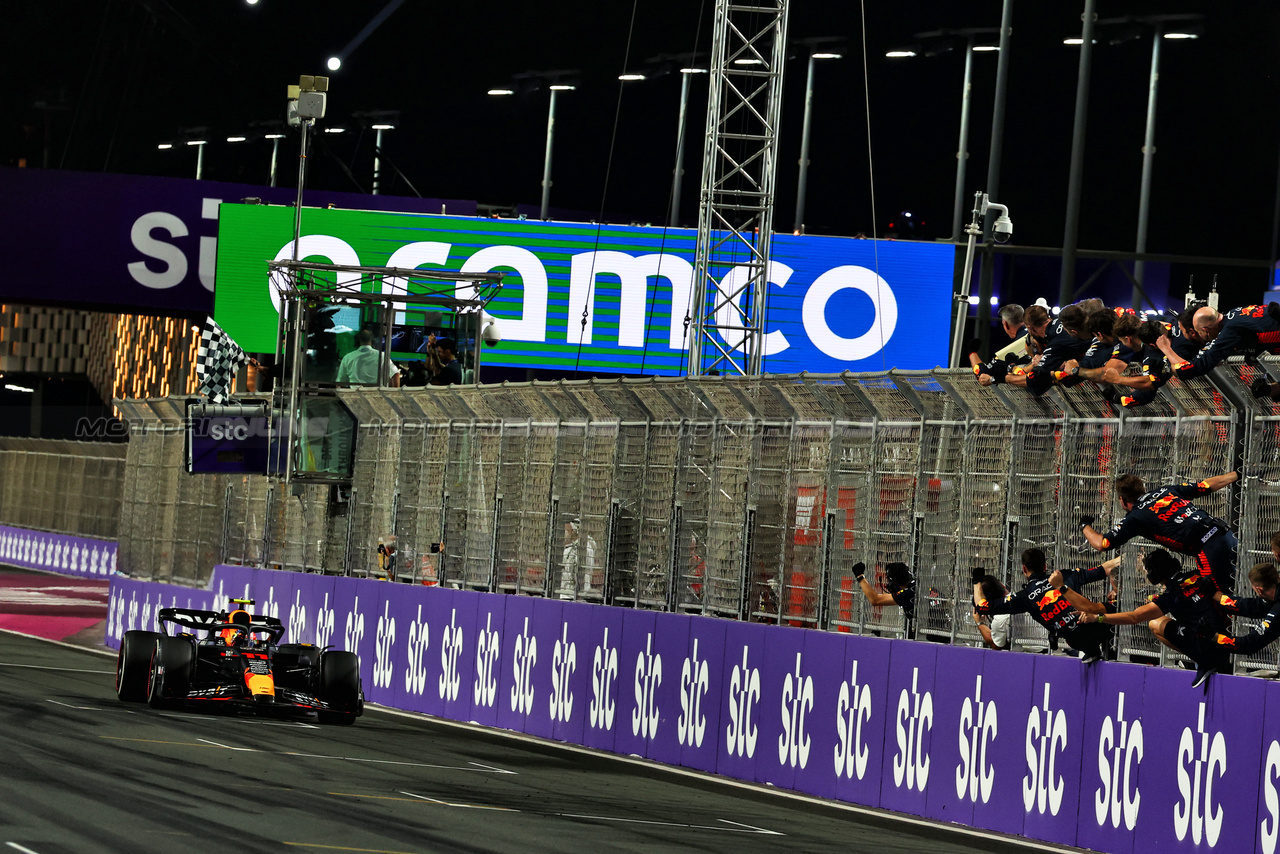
column 489, row 331
column 1002, row 230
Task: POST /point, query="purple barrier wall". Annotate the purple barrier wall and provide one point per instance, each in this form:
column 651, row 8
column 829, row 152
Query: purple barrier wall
column 1113, row 757
column 82, row 557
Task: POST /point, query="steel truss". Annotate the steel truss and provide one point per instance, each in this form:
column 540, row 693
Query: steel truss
column 739, row 164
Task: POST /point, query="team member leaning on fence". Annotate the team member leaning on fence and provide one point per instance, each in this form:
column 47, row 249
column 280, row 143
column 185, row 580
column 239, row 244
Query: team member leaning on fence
column 1105, row 350
column 1046, row 605
column 1167, row 516
column 1246, row 331
column 1183, row 617
column 1264, row 579
column 1012, row 316
column 1140, row 337
column 902, row 590
column 1064, row 339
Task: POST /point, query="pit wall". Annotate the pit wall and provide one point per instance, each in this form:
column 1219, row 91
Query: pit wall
column 1113, row 757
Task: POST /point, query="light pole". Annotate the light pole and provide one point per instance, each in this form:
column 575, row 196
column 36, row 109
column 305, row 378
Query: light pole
column 663, row 64
column 815, row 53
column 556, row 83
column 193, row 136
column 942, row 41
column 1075, row 178
column 1181, row 26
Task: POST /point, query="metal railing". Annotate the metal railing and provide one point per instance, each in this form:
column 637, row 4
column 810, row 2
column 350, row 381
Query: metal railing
column 741, row 497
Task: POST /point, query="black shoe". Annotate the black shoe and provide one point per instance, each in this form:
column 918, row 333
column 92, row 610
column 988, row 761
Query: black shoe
column 1090, row 657
column 1203, row 672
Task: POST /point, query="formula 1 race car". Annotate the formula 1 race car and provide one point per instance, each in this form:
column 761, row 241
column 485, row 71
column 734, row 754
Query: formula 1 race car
column 239, row 665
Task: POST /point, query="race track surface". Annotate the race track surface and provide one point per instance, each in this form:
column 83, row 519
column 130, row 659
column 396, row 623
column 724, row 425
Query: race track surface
column 84, row 772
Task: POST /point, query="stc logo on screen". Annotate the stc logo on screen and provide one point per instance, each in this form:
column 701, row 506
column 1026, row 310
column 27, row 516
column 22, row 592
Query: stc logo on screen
column 633, row 273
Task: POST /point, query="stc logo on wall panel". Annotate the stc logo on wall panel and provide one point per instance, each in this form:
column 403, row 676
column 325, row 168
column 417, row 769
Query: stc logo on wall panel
column 613, row 298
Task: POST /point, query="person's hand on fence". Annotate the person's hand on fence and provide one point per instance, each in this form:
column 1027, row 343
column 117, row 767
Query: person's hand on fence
column 859, row 570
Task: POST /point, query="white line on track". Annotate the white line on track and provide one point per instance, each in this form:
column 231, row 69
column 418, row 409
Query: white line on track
column 227, row 746
column 484, row 769
column 69, row 706
column 741, row 828
column 21, row 848
column 738, row 827
column 63, row 669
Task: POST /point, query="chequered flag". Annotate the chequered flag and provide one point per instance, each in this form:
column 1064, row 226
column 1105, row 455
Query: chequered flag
column 217, row 361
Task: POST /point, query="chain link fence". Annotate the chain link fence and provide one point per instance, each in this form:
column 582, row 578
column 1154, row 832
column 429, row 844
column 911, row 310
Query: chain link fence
column 747, row 498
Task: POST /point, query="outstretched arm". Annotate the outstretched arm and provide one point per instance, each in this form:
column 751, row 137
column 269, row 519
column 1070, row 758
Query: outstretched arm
column 1149, row 611
column 1213, row 484
column 1081, row 603
column 874, row 596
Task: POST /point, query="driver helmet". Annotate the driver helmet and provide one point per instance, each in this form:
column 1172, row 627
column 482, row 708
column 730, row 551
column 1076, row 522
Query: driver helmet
column 236, row 636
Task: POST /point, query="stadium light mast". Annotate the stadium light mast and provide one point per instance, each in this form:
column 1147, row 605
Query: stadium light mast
column 307, row 102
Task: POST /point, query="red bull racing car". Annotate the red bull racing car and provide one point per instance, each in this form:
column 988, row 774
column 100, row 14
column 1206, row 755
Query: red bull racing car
column 239, row 664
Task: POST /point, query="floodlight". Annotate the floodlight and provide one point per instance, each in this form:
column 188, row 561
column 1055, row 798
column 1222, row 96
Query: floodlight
column 334, row 63
column 502, row 91
column 631, row 77
column 164, row 146
column 236, row 139
column 562, row 87
column 900, row 54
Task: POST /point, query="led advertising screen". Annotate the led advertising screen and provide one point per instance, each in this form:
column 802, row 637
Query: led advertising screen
column 612, row 299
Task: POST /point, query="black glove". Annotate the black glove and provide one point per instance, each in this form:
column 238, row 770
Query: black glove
column 1273, row 311
column 859, row 570
column 976, row 574
column 1085, row 520
column 1260, row 387
column 974, row 345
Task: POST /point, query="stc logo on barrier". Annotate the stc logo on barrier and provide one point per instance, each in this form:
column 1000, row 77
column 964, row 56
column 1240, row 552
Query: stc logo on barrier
column 355, row 628
column 1119, row 755
column 324, row 623
column 450, row 651
column 384, row 640
column 524, row 657
column 648, row 676
column 488, row 648
column 979, row 724
column 694, row 682
column 1201, row 760
column 604, row 675
column 797, row 702
column 415, row 674
column 1046, row 739
column 1270, row 827
column 912, row 720
column 564, row 660
column 297, row 619
column 744, row 694
column 853, row 709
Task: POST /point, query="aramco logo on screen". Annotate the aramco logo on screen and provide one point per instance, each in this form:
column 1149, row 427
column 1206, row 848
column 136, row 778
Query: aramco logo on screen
column 615, row 299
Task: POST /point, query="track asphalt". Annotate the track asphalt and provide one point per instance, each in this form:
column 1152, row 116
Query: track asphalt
column 83, row 772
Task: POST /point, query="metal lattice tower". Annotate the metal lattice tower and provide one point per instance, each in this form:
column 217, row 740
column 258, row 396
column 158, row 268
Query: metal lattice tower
column 739, row 163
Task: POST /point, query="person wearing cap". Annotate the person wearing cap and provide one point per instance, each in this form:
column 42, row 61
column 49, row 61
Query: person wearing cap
column 901, row 586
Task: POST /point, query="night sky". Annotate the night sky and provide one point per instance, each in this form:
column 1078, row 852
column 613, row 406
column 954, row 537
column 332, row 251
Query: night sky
column 123, row 75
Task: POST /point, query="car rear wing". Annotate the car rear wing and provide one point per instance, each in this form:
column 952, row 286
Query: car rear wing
column 213, row 621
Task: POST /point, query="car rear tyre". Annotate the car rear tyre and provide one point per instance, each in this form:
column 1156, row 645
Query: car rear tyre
column 340, row 687
column 133, row 665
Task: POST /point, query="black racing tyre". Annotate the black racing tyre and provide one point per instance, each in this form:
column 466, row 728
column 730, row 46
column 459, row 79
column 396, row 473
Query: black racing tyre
column 133, row 665
column 340, row 687
column 178, row 655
